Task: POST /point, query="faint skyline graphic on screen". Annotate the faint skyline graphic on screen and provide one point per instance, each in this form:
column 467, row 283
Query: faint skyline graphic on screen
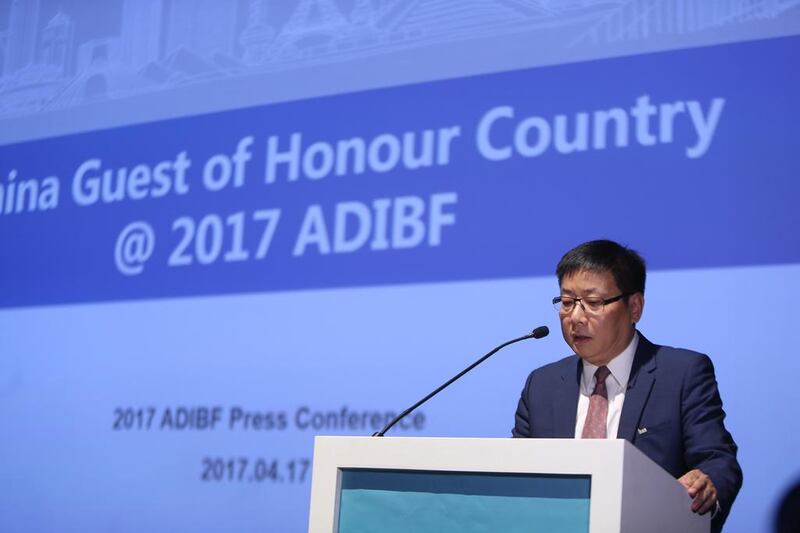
column 58, row 54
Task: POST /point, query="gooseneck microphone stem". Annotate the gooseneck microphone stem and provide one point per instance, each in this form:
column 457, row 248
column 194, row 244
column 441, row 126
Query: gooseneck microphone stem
column 537, row 333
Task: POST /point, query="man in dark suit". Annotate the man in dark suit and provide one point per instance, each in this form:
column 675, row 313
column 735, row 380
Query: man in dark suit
column 620, row 385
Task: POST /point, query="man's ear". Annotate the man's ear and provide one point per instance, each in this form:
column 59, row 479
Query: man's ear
column 636, row 305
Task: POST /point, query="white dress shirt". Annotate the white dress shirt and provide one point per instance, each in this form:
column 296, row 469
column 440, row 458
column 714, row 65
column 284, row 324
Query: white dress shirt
column 616, row 384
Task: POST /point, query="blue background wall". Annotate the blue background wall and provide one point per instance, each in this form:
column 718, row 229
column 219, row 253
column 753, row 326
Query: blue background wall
column 200, row 273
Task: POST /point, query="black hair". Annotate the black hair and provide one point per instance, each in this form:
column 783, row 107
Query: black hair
column 626, row 265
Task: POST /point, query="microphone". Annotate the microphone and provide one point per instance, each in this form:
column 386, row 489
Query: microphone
column 537, row 333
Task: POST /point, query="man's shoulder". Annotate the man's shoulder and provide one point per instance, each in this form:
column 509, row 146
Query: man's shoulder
column 559, row 367
column 671, row 355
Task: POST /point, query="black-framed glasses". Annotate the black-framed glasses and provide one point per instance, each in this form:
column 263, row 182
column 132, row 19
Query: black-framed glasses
column 590, row 304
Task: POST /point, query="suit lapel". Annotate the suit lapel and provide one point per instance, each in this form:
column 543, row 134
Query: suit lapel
column 566, row 407
column 640, row 384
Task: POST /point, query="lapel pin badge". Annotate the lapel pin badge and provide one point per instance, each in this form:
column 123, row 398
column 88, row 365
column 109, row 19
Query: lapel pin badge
column 642, row 431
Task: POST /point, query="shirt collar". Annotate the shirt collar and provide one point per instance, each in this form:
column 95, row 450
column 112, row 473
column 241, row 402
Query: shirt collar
column 620, row 366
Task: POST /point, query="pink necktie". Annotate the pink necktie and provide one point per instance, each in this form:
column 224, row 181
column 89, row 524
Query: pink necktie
column 595, row 425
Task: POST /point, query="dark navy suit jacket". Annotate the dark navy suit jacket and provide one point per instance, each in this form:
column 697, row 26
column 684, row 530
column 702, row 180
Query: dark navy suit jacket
column 672, row 393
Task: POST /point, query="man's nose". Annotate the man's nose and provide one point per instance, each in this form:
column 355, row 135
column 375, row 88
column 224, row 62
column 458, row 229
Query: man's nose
column 578, row 313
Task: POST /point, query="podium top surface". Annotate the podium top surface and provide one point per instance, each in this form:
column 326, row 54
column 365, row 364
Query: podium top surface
column 562, row 456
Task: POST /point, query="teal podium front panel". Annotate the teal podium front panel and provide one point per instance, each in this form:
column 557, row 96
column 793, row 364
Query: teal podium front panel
column 395, row 501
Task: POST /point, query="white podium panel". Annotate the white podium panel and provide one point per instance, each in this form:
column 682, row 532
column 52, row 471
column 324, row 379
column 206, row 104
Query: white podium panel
column 392, row 484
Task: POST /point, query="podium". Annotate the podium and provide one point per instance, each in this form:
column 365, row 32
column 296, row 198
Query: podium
column 441, row 485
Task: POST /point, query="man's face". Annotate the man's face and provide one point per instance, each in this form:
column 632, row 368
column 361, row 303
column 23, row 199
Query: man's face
column 598, row 337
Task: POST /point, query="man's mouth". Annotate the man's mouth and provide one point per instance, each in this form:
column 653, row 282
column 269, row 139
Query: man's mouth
column 580, row 338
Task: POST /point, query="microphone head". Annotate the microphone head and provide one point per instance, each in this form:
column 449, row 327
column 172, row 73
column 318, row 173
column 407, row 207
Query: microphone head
column 541, row 331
